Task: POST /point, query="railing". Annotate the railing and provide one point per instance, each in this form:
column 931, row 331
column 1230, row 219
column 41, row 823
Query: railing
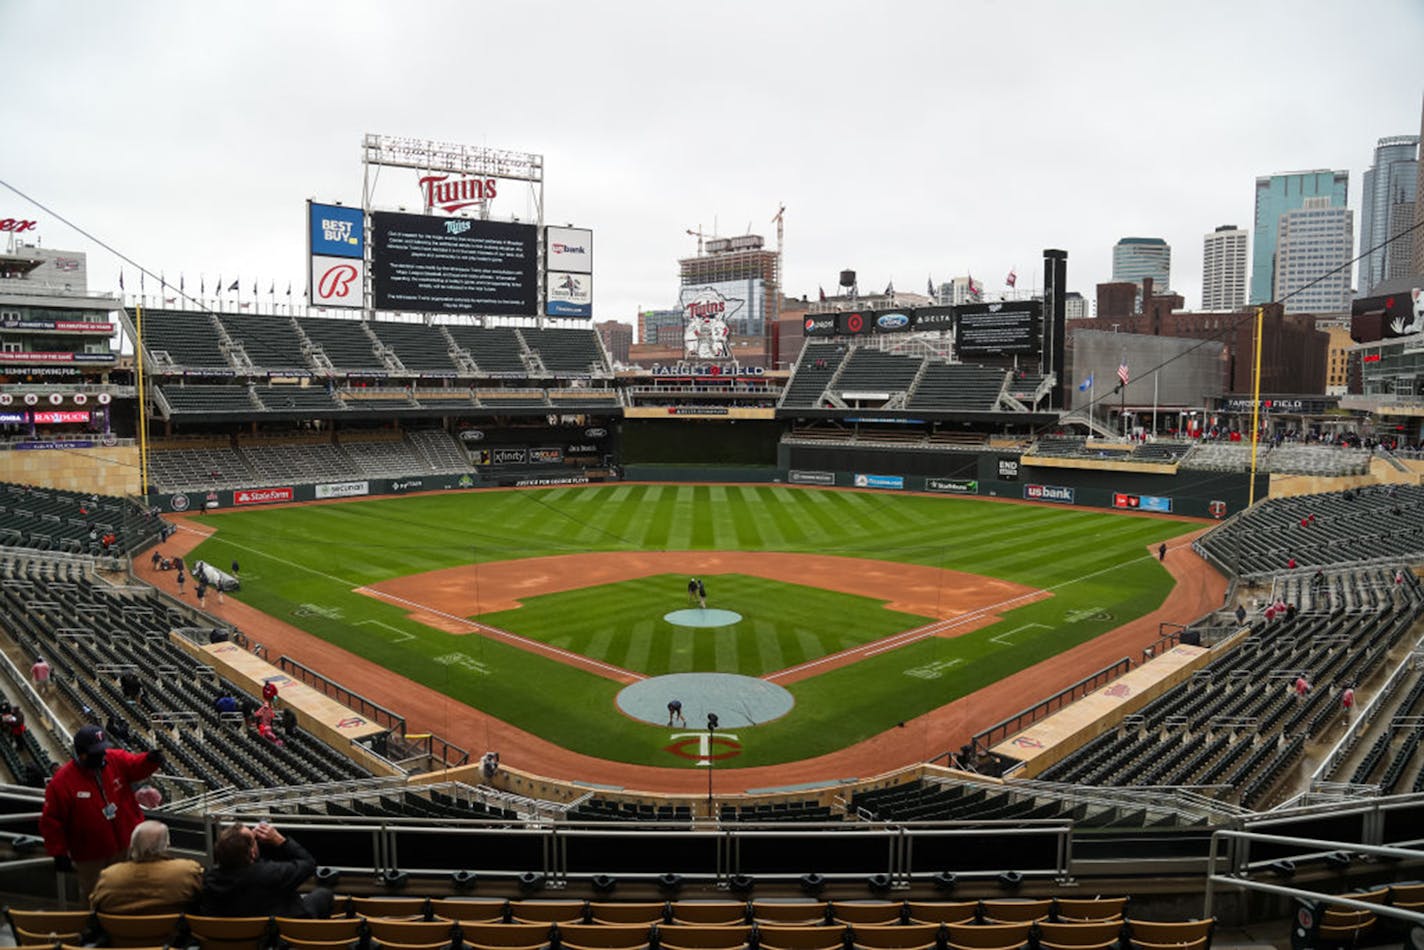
column 328, row 687
column 987, row 739
column 1360, row 724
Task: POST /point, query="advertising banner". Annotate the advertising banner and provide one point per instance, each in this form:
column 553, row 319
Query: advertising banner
column 1142, row 502
column 51, row 418
column 569, row 250
column 510, row 456
column 403, row 485
column 553, row 454
column 261, row 496
column 811, row 478
column 878, row 481
column 894, row 321
column 957, row 486
column 568, row 295
column 1059, row 493
column 343, row 490
column 821, row 324
column 1009, row 469
column 336, row 231
column 336, row 281
column 852, row 323
column 428, row 264
column 934, row 318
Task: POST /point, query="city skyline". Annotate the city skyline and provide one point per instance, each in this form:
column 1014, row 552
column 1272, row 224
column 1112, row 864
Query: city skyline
column 190, row 137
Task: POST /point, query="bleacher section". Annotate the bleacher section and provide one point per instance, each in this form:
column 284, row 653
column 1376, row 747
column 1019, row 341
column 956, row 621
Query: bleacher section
column 439, row 450
column 344, row 343
column 957, row 386
column 91, row 633
column 1365, row 524
column 874, row 371
column 297, row 399
column 206, row 399
column 187, row 338
column 1238, row 724
column 566, row 352
column 48, row 519
column 1287, row 459
column 270, row 342
column 420, row 348
column 814, row 370
column 311, row 462
column 494, row 349
column 947, row 800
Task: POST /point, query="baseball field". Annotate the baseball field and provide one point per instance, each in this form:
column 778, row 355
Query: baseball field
column 539, row 607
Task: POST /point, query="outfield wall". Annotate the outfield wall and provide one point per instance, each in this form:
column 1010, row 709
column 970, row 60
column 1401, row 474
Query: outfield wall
column 1007, row 474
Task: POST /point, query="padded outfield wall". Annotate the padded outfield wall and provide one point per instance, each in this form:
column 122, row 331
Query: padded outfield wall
column 1008, row 474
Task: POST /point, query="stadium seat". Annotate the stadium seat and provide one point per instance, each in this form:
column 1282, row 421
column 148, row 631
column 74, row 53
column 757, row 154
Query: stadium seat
column 711, row 937
column 387, row 930
column 469, row 909
column 395, row 908
column 229, row 933
column 140, row 930
column 605, row 936
column 894, row 936
column 867, row 912
column 1010, row 911
column 942, row 912
column 987, row 936
column 1190, row 934
column 506, row 936
column 630, row 912
column 1082, row 909
column 335, row 931
column 1098, row 935
column 798, row 913
column 801, row 938
column 547, row 912
column 708, row 912
column 48, row 927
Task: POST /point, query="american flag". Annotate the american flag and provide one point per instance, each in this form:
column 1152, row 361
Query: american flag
column 1122, row 373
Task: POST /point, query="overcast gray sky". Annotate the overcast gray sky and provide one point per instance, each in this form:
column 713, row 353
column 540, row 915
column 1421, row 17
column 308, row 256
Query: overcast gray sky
column 905, row 139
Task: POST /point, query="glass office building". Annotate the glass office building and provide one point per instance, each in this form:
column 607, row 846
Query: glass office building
column 1137, row 257
column 1276, row 195
column 1387, row 209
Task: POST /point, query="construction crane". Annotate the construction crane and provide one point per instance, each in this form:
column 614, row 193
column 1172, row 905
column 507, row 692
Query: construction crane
column 700, row 234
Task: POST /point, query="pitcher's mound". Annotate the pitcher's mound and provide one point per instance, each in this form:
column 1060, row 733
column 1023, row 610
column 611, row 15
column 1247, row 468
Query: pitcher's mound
column 702, row 617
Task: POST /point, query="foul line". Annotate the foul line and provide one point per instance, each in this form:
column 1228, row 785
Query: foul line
column 533, row 646
column 939, row 626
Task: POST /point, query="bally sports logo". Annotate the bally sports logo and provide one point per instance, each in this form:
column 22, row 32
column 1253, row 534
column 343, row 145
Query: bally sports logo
column 261, row 496
column 892, row 321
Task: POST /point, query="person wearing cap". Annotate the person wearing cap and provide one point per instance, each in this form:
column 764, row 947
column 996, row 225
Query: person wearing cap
column 151, row 881
column 89, row 807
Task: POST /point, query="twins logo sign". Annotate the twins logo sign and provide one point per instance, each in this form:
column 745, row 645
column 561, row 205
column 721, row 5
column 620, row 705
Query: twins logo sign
column 697, row 746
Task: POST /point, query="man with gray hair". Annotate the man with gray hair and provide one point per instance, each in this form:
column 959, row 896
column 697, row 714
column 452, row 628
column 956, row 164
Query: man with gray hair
column 150, row 881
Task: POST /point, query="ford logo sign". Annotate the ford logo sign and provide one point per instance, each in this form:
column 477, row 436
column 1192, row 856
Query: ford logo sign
column 595, row 433
column 471, row 435
column 891, row 321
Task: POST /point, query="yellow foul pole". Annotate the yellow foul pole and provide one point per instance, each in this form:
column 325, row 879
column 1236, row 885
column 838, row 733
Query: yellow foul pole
column 142, row 407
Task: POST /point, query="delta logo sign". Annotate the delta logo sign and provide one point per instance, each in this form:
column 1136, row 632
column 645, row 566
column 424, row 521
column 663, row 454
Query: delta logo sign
column 450, row 195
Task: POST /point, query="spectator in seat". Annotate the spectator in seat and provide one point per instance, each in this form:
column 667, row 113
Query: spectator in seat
column 257, row 873
column 151, row 881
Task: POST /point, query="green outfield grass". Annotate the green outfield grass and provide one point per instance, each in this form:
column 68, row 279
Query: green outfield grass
column 782, row 625
column 301, row 564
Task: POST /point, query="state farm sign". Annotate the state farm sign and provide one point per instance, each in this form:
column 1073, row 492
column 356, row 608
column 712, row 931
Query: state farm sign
column 261, row 496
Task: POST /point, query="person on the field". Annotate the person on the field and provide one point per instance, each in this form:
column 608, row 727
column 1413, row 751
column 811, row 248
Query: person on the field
column 675, row 712
column 701, row 594
column 1162, row 551
column 691, row 590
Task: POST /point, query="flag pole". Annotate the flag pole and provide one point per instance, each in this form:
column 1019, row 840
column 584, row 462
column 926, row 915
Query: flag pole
column 1155, row 378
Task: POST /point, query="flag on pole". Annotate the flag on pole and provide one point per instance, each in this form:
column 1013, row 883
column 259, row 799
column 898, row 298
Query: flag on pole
column 289, row 288
column 821, row 289
column 181, row 281
column 1012, row 279
column 1122, row 373
column 140, row 281
column 162, row 281
column 202, row 286
column 975, row 290
column 1086, row 384
column 121, row 278
column 272, row 290
column 890, row 288
column 254, row 286
column 233, row 287
column 929, row 286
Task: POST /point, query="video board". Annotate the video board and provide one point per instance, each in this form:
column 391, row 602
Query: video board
column 1001, row 327
column 430, row 264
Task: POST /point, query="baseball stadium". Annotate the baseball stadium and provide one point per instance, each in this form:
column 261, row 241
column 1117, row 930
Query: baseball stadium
column 856, row 636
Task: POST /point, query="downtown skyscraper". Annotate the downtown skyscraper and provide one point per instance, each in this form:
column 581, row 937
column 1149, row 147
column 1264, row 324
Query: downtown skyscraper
column 1387, row 209
column 1277, row 195
column 1224, row 269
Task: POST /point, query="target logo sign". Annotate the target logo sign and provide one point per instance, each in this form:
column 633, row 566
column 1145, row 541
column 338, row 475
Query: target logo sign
column 337, row 281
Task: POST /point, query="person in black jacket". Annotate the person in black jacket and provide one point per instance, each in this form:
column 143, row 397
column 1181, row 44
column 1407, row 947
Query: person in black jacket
column 257, row 874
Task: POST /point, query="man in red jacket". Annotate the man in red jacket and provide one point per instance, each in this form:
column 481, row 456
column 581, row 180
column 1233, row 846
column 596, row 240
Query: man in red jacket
column 89, row 809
